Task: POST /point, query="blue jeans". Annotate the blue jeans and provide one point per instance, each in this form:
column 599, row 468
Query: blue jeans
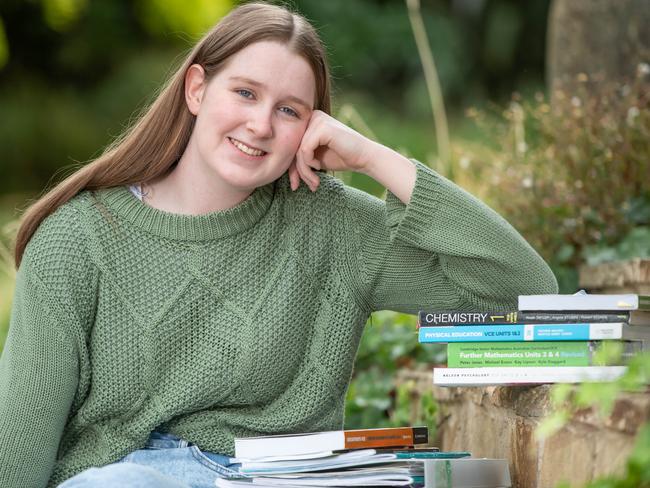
column 166, row 461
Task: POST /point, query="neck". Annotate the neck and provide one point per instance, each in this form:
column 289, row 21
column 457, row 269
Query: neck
column 189, row 191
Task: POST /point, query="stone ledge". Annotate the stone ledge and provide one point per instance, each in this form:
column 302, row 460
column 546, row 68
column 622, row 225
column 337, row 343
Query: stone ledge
column 500, row 421
column 631, row 276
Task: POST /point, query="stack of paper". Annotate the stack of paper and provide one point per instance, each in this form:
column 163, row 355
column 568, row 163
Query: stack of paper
column 391, row 458
column 371, row 467
column 363, row 467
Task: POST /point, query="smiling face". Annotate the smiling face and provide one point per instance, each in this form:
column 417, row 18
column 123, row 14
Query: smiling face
column 250, row 117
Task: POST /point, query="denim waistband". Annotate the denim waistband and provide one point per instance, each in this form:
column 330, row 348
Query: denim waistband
column 165, row 440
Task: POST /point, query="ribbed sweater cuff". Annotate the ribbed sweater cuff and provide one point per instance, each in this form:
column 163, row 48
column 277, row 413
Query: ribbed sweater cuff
column 413, row 219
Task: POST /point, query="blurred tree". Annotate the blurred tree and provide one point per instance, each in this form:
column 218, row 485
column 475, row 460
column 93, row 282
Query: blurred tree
column 162, row 16
column 75, row 71
column 4, row 48
column 61, row 15
column 617, row 30
column 78, row 71
column 482, row 47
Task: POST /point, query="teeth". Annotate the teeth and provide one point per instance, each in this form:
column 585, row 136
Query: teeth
column 244, row 148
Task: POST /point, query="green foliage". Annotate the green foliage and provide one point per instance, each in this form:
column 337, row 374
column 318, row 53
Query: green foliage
column 637, row 471
column 552, row 423
column 573, row 177
column 61, row 15
column 6, row 293
column 389, row 344
column 567, row 399
column 502, row 29
column 77, row 124
column 479, row 47
column 608, row 353
column 4, row 47
column 75, row 71
column 8, row 228
column 79, row 71
column 635, row 244
column 192, row 17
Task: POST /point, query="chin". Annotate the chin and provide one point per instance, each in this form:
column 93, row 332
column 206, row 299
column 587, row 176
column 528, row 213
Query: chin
column 244, row 179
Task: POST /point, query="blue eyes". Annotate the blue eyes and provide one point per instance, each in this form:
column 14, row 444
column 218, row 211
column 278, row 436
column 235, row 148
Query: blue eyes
column 290, row 111
column 247, row 94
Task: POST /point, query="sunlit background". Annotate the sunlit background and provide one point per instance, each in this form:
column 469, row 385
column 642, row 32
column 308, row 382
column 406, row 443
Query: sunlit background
column 73, row 72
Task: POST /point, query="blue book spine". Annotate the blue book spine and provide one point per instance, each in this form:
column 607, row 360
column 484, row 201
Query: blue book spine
column 521, row 332
column 432, row 455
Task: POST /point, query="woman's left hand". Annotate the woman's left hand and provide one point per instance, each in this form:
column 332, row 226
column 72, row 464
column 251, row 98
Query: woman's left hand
column 329, row 145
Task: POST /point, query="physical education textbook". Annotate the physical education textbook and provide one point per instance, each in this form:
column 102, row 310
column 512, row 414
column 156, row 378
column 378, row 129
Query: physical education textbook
column 524, row 376
column 584, row 301
column 555, row 353
column 295, row 444
column 533, row 332
column 431, row 319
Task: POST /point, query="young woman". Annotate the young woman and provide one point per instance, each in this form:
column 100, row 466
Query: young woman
column 202, row 280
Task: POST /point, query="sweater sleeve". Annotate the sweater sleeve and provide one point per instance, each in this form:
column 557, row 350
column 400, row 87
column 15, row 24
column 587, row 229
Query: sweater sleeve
column 445, row 250
column 39, row 367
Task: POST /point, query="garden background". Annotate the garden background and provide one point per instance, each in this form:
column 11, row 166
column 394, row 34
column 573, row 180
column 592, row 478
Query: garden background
column 462, row 85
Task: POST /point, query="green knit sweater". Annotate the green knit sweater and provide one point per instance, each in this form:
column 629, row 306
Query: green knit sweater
column 243, row 322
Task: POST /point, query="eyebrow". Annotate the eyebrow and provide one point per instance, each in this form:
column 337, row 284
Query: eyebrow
column 262, row 85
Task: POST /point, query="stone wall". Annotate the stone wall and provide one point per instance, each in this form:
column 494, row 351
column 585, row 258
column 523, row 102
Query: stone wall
column 500, row 421
column 631, row 276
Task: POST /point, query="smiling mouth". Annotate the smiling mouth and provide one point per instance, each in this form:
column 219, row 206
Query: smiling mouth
column 251, row 151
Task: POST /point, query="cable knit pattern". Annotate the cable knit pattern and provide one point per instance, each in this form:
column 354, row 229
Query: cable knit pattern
column 235, row 323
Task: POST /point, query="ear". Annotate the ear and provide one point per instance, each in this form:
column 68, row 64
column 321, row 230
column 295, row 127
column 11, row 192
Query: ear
column 195, row 84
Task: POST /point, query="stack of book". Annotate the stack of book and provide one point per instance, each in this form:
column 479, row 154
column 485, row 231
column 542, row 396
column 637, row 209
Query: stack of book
column 367, row 457
column 550, row 339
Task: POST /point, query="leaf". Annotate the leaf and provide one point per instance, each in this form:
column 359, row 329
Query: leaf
column 638, row 211
column 192, row 17
column 560, row 393
column 61, row 15
column 601, row 395
column 638, row 465
column 551, row 424
column 636, row 244
column 565, row 253
column 609, row 353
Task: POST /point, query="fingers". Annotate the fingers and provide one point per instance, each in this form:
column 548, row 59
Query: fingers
column 306, row 172
column 306, row 163
column 294, row 176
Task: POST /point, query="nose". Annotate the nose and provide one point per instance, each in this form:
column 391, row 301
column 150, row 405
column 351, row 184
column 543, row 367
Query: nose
column 260, row 122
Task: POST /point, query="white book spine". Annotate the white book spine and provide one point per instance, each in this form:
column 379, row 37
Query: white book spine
column 466, row 472
column 256, row 447
column 524, row 375
column 578, row 302
column 600, row 332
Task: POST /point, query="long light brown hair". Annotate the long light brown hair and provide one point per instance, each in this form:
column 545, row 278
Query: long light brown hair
column 158, row 138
